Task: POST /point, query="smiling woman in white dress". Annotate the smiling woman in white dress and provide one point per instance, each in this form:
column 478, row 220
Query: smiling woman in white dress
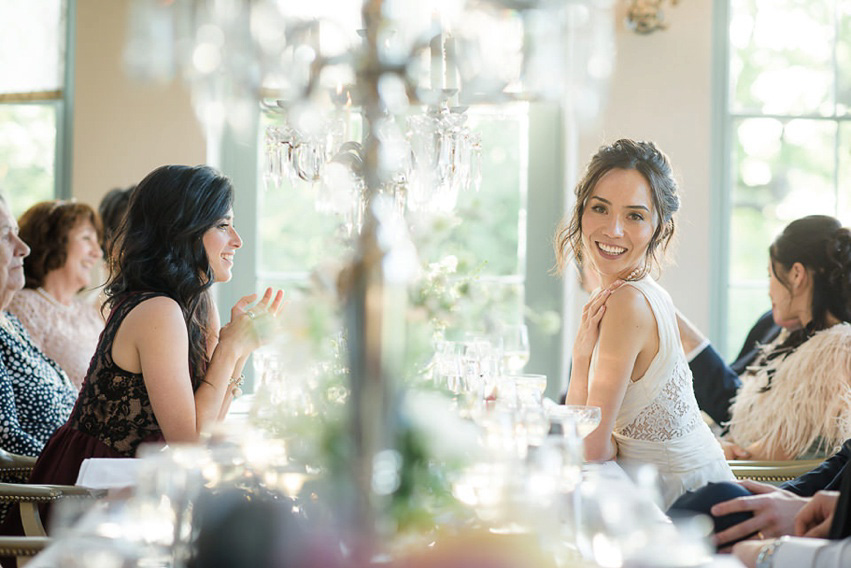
column 627, row 357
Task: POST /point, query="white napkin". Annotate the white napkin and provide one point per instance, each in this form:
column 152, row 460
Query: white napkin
column 108, row 473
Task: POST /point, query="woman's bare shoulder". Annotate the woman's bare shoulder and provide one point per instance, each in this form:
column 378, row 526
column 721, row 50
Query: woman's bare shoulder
column 156, row 311
column 629, row 303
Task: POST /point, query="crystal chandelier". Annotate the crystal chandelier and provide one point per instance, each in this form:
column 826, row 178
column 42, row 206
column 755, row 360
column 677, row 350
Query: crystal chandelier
column 434, row 58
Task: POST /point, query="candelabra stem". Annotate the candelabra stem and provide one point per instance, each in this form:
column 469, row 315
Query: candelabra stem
column 375, row 309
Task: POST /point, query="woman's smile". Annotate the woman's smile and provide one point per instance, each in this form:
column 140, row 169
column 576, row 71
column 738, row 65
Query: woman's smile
column 618, row 223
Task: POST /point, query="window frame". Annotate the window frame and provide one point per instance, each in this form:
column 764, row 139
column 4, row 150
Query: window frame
column 724, row 119
column 720, row 176
column 62, row 100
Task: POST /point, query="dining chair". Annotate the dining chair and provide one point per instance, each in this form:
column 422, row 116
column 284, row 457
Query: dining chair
column 772, row 472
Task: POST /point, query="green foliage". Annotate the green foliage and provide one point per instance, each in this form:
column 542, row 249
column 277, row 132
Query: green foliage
column 788, row 61
column 27, row 152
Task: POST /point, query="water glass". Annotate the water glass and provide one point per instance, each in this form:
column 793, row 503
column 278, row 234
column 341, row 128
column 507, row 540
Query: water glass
column 530, row 387
column 682, row 543
column 586, row 417
column 515, row 348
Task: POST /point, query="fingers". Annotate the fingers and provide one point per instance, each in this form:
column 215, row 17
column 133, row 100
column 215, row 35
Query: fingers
column 239, row 307
column 277, row 303
column 741, row 453
column 758, row 488
column 733, row 451
column 599, row 299
column 815, row 517
column 244, row 301
column 270, row 304
column 808, row 517
column 737, row 505
column 595, row 317
column 264, row 301
column 745, row 528
column 821, row 530
column 737, row 532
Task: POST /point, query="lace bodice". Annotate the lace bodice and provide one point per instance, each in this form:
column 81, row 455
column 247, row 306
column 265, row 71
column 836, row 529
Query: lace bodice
column 113, row 405
column 66, row 334
column 659, row 421
column 660, row 406
column 672, row 414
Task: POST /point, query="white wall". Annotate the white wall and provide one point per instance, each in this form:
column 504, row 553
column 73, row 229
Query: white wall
column 122, row 129
column 661, row 91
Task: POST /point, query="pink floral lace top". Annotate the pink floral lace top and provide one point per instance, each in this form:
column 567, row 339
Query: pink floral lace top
column 66, row 334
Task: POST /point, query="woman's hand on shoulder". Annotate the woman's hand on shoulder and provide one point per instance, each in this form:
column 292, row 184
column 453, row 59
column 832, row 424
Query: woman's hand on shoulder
column 589, row 325
column 630, row 303
column 249, row 328
column 629, row 327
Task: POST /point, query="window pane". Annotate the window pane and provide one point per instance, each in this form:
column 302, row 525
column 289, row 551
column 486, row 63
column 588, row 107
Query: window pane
column 843, row 57
column 488, row 239
column 27, row 152
column 781, row 56
column 784, row 170
column 843, row 196
column 484, row 233
column 32, row 45
column 745, row 305
column 295, row 237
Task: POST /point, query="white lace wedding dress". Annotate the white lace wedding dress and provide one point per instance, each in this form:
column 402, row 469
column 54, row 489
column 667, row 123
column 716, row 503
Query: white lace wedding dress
column 659, row 421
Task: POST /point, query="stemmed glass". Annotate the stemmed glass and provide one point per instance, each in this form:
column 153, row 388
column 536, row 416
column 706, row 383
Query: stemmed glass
column 587, row 417
column 515, row 348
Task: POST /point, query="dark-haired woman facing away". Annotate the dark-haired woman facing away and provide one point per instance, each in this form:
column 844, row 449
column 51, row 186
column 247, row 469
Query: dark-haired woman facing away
column 795, row 400
column 163, row 370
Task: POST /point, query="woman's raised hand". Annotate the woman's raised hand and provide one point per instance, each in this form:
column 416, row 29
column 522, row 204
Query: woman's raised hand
column 252, row 327
column 589, row 325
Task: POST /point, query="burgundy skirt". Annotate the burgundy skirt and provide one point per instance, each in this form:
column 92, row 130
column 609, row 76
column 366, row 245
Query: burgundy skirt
column 59, row 464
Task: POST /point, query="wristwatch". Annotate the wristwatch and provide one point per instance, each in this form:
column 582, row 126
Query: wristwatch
column 765, row 558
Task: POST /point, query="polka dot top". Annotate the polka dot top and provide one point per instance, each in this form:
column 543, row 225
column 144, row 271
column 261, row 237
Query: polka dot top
column 36, row 396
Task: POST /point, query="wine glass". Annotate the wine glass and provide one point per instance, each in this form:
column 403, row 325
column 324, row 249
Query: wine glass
column 515, row 348
column 587, row 417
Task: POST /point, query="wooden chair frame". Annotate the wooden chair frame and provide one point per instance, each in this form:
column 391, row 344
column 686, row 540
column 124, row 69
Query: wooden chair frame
column 773, row 472
column 15, row 470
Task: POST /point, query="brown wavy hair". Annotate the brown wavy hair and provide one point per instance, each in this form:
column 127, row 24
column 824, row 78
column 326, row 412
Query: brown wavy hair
column 625, row 154
column 45, row 227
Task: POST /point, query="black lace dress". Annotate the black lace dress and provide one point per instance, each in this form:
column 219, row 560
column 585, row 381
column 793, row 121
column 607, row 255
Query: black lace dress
column 111, row 419
column 112, row 416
